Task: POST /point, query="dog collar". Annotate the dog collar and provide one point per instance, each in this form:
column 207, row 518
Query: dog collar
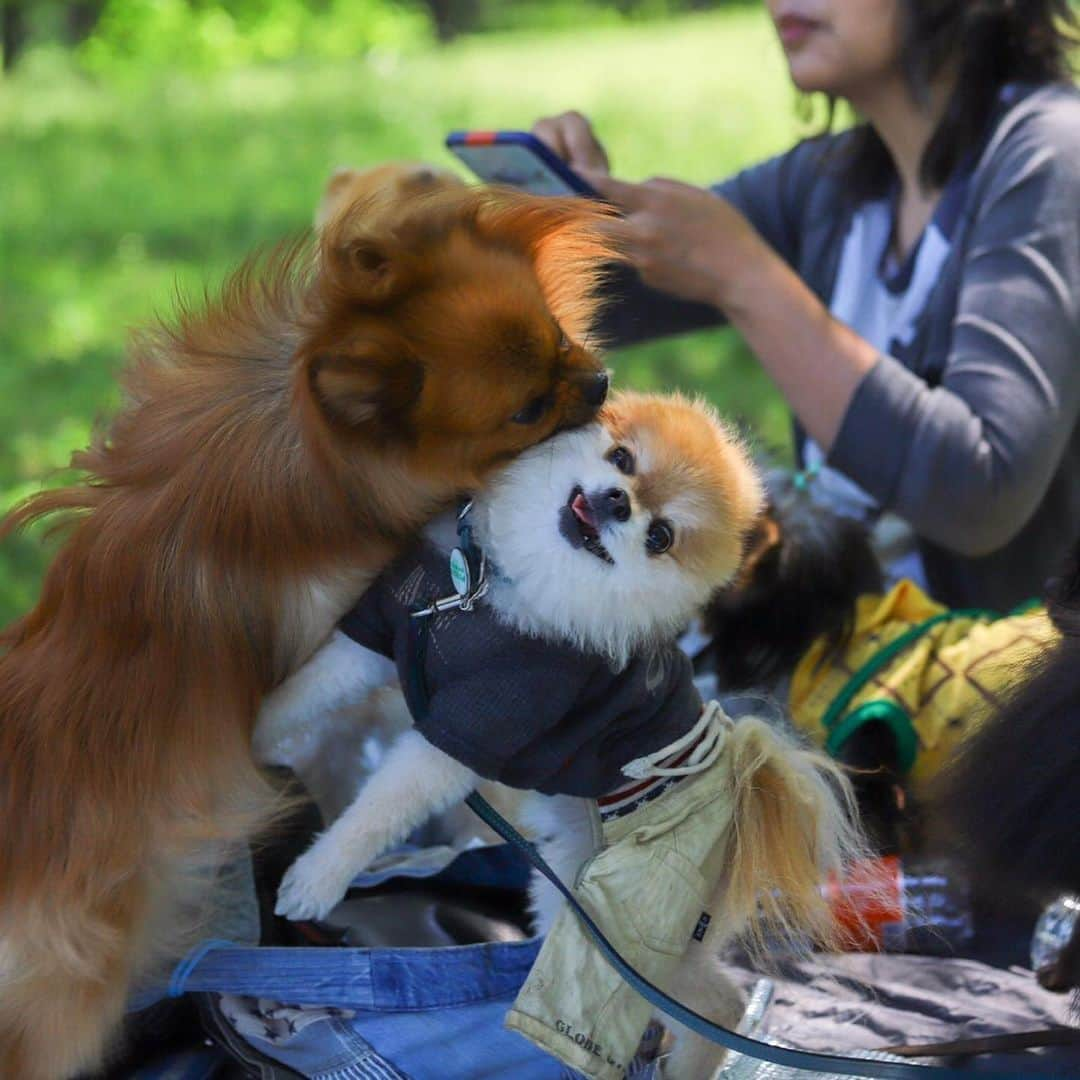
column 470, row 572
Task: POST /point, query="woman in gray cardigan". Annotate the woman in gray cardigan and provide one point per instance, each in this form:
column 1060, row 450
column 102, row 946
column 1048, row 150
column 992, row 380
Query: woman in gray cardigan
column 912, row 285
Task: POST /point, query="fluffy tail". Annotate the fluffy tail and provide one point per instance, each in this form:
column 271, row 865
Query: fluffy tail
column 795, row 821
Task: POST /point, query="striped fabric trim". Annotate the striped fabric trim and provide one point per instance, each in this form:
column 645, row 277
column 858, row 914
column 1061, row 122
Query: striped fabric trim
column 637, row 793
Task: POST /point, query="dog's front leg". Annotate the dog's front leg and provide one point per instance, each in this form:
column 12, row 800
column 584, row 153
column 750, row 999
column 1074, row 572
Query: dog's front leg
column 414, row 782
column 292, row 718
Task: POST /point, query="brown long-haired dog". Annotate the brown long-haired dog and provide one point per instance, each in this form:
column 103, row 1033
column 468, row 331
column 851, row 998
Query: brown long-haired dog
column 273, row 451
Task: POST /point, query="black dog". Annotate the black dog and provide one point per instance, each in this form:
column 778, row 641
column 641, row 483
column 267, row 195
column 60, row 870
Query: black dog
column 805, row 567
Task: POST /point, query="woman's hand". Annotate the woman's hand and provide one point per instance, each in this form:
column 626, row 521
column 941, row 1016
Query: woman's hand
column 697, row 246
column 685, row 240
column 682, row 239
column 570, row 135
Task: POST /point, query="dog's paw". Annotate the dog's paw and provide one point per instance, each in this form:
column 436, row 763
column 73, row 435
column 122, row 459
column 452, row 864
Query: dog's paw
column 312, row 886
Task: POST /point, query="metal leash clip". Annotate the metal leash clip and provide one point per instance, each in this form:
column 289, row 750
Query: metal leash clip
column 456, row 602
column 468, row 592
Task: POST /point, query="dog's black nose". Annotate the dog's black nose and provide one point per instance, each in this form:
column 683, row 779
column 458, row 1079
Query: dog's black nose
column 615, row 503
column 596, row 389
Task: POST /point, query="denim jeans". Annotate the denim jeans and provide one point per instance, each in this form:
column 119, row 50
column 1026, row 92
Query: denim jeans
column 336, row 1013
column 390, row 1014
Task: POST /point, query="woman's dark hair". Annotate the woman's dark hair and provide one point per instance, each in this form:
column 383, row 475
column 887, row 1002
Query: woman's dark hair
column 993, row 42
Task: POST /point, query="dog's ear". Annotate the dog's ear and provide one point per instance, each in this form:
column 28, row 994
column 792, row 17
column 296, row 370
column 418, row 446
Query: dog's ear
column 571, row 243
column 382, row 188
column 365, row 268
column 761, row 551
column 334, row 194
column 362, row 259
column 366, row 388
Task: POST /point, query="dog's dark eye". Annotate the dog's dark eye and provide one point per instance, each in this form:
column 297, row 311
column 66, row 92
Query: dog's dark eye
column 659, row 538
column 622, row 459
column 532, row 412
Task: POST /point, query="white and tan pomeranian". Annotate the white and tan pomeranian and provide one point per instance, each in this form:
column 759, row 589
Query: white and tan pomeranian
column 599, row 546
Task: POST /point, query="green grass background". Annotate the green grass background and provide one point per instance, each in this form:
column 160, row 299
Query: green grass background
column 117, row 193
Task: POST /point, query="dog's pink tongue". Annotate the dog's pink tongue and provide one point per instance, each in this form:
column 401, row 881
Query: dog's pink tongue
column 582, row 510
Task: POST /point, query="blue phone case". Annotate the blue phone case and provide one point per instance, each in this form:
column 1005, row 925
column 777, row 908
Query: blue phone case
column 519, row 159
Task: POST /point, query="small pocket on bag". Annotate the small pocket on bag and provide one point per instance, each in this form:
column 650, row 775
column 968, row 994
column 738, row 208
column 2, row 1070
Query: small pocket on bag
column 650, row 899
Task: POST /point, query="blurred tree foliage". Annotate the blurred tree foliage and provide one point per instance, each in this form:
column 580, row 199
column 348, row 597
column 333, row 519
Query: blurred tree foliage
column 69, row 22
column 120, row 34
column 117, row 36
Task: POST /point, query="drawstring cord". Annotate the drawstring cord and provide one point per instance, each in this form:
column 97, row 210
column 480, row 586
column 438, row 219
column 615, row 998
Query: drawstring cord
column 711, row 729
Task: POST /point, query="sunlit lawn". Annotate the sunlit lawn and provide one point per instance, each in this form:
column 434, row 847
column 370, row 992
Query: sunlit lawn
column 113, row 195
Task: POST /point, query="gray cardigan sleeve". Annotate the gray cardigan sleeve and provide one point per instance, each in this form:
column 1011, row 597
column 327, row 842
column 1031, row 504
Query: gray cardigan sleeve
column 967, row 462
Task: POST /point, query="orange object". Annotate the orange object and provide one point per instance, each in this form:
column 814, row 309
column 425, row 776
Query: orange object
column 869, row 898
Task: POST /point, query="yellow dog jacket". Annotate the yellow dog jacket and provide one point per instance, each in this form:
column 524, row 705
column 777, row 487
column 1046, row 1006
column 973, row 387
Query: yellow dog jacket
column 929, row 673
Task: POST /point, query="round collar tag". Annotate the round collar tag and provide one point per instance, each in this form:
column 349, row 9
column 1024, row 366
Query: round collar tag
column 459, row 572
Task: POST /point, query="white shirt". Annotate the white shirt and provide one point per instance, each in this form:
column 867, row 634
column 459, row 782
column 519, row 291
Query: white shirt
column 881, row 301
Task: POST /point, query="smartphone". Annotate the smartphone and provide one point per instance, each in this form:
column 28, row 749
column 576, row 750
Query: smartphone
column 519, row 159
